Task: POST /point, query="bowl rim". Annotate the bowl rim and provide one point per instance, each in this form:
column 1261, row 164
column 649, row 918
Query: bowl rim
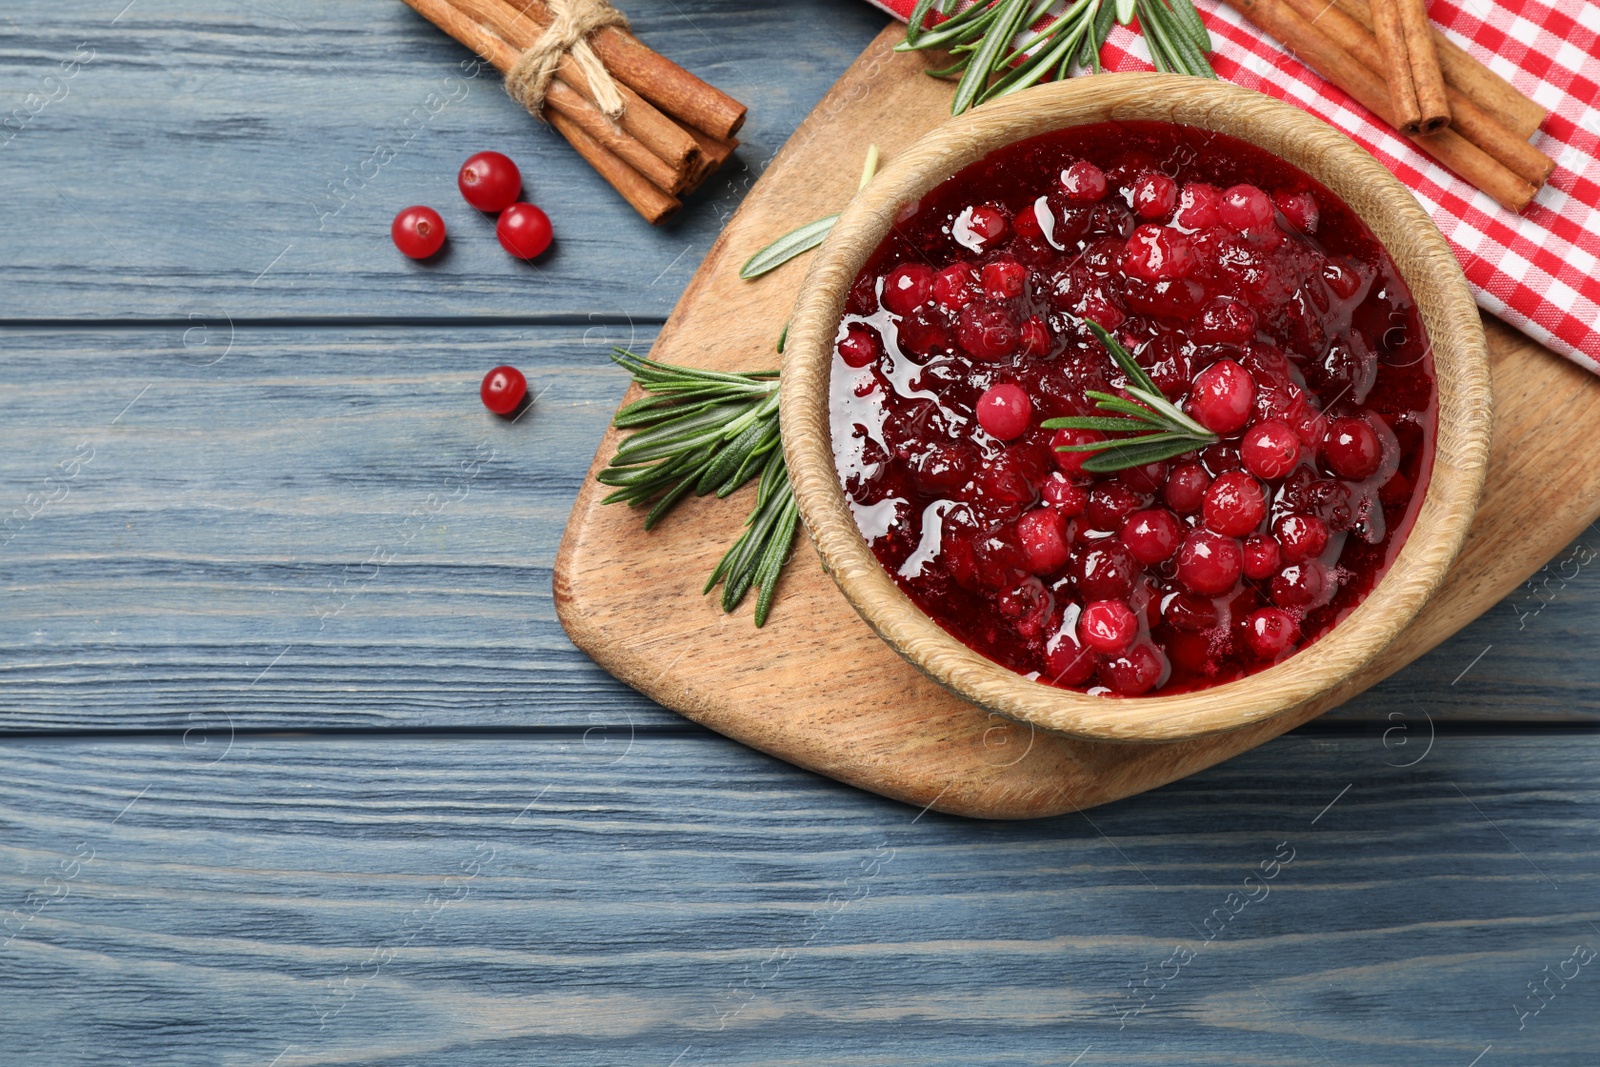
column 1430, row 269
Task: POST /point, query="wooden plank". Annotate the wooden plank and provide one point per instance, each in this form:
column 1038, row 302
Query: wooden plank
column 249, row 158
column 507, row 901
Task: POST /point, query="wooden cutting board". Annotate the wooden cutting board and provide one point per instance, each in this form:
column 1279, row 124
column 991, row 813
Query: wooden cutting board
column 815, row 686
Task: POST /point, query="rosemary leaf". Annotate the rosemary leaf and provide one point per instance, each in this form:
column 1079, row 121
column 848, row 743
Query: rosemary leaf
column 787, row 247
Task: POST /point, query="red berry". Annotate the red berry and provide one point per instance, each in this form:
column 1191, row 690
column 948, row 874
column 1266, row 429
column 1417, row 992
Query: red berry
column 907, row 287
column 1072, row 462
column 1351, row 449
column 1209, row 563
column 1245, row 209
column 1269, row 450
column 1060, row 493
column 1042, row 533
column 1302, row 536
column 1136, row 671
column 1084, row 181
column 1026, row 223
column 861, row 346
column 503, row 389
column 955, row 286
column 980, row 227
column 1270, row 632
column 1146, row 479
column 1154, row 196
column 1152, row 535
column 1342, row 281
column 1107, row 626
column 1222, row 396
column 490, row 182
column 1235, row 504
column 1300, row 585
column 987, row 331
column 1103, row 569
column 1262, row 557
column 923, row 331
column 1299, row 210
column 1225, row 321
column 1186, row 488
column 1197, row 206
column 1156, row 252
column 1004, row 411
column 1004, row 279
column 524, row 231
column 1188, row 612
column 1112, row 502
column 1033, row 336
column 1070, row 663
column 418, row 232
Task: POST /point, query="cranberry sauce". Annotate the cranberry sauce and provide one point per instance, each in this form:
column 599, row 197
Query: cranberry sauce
column 1255, row 300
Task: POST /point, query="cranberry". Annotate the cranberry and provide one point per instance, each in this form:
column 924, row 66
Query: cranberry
column 1186, row 611
column 1135, row 672
column 1245, row 209
column 955, row 286
column 1146, row 479
column 1112, row 502
column 924, row 331
column 1222, row 397
column 418, row 232
column 1103, row 569
column 1042, row 533
column 1107, row 626
column 1341, row 280
column 1209, row 563
column 1004, row 411
column 1197, row 206
column 1154, row 196
column 1070, row 663
column 1157, row 252
column 907, row 288
column 1060, row 493
column 1222, row 456
column 1235, row 504
column 1299, row 210
column 1083, row 181
column 1004, row 479
column 1225, row 320
column 490, row 182
column 860, row 346
column 1033, row 336
column 524, row 231
column 1169, row 298
column 941, row 468
column 1270, row 632
column 1262, row 557
column 1269, row 450
column 1072, row 462
column 1152, row 535
column 503, row 389
column 1026, row 224
column 980, row 227
column 1004, row 279
column 1302, row 536
column 1351, row 449
column 987, row 331
column 1300, row 585
column 1186, row 488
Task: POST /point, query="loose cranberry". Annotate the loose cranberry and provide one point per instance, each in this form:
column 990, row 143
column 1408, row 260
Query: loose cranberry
column 1269, row 450
column 1262, row 557
column 1072, row 462
column 1103, row 569
column 1070, row 664
column 980, row 227
column 1299, row 210
column 1083, row 181
column 1270, row 632
column 1107, row 626
column 1225, row 321
column 987, row 331
column 860, row 346
column 1112, row 502
column 1033, row 336
column 503, row 389
column 1245, row 209
column 490, row 182
column 1235, row 504
column 1351, row 449
column 1004, row 279
column 955, row 286
column 1004, row 411
column 1186, row 611
column 1209, row 563
column 1186, row 486
column 1222, row 397
column 907, row 287
column 1152, row 535
column 1157, row 252
column 1060, row 493
column 524, row 231
column 1300, row 585
column 1135, row 672
column 1154, row 196
column 1302, row 536
column 1197, row 206
column 1043, row 536
column 418, row 232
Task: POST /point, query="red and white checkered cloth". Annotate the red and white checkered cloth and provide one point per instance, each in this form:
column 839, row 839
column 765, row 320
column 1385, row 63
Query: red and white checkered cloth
column 1539, row 271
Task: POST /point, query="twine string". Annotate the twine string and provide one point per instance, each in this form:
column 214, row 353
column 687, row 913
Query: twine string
column 574, row 20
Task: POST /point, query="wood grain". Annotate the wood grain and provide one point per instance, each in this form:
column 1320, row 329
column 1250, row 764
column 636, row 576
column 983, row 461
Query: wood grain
column 850, row 708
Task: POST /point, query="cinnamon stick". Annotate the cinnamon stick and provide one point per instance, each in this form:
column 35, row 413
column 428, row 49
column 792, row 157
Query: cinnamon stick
column 636, row 189
column 1318, row 51
column 671, row 88
column 713, row 151
column 1467, row 118
column 1472, row 79
column 1390, row 31
column 1425, row 72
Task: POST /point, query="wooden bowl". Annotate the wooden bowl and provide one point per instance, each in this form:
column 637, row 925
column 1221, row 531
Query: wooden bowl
column 1418, row 250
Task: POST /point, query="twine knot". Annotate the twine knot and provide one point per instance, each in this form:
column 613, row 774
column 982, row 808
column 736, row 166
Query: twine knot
column 572, row 23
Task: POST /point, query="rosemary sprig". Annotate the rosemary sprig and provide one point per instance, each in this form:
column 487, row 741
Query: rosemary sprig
column 990, row 62
column 705, row 432
column 1158, row 429
column 806, row 237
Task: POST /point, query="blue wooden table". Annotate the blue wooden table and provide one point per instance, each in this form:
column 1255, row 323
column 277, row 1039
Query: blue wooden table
column 267, row 800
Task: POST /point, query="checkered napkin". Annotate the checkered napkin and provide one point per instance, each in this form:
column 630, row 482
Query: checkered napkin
column 1538, row 271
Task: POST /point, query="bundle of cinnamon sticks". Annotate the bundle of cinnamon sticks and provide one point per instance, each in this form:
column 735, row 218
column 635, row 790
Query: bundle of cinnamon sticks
column 1405, row 71
column 674, row 130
